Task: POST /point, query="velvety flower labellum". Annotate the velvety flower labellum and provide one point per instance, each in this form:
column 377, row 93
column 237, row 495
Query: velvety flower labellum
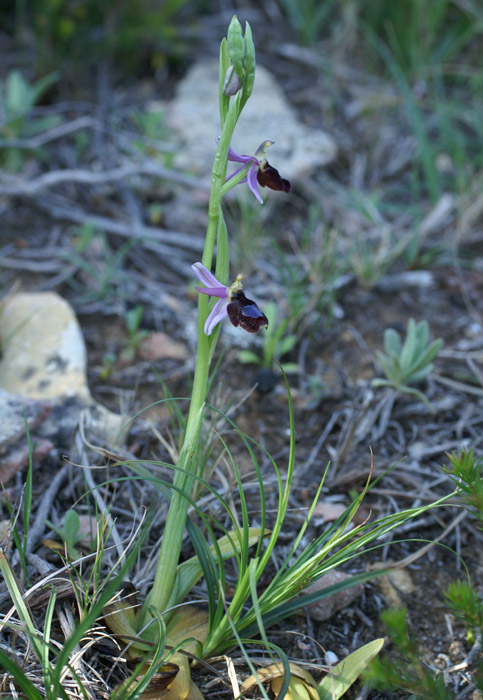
column 260, row 171
column 232, row 303
column 270, row 177
column 245, row 313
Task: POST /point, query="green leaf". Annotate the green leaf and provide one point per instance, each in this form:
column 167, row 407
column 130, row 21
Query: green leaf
column 21, row 679
column 407, row 353
column 339, row 680
column 71, row 527
column 190, row 571
column 247, row 357
column 290, row 367
column 416, row 377
column 270, row 311
column 287, row 344
column 425, row 357
column 222, row 269
column 392, row 341
column 42, row 85
column 18, row 100
column 133, row 319
column 382, row 382
column 387, row 366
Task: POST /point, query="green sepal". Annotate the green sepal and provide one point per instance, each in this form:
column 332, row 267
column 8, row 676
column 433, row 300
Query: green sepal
column 224, row 101
column 249, row 64
column 236, row 46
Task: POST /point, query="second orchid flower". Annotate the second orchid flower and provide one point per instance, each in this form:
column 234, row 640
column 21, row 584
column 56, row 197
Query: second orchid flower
column 260, row 171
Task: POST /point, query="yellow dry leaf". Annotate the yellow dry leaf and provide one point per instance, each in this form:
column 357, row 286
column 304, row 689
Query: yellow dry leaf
column 188, row 622
column 302, row 685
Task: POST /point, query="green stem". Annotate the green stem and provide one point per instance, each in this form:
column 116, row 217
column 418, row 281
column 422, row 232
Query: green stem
column 165, row 579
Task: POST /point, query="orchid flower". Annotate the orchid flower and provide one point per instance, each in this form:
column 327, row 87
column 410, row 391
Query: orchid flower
column 232, row 303
column 260, row 171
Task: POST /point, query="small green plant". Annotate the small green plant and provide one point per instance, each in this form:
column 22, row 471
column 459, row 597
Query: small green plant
column 467, row 604
column 408, row 363
column 99, row 265
column 275, row 344
column 17, row 98
column 108, row 363
column 467, row 473
column 408, row 672
column 315, row 389
column 153, row 134
column 70, row 533
column 135, row 335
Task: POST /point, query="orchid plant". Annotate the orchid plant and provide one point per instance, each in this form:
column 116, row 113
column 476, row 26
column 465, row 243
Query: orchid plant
column 160, row 618
column 236, row 79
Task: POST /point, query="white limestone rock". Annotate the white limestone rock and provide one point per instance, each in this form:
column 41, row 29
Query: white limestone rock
column 193, row 114
column 44, row 358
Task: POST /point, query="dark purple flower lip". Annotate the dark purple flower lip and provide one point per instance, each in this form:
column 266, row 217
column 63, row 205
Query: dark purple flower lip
column 260, row 171
column 268, row 176
column 232, row 303
column 244, row 312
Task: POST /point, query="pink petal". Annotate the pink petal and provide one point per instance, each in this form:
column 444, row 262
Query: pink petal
column 213, row 291
column 218, row 313
column 253, row 183
column 237, row 158
column 205, row 275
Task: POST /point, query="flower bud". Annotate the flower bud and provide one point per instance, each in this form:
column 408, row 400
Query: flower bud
column 232, row 82
column 236, row 45
column 248, row 62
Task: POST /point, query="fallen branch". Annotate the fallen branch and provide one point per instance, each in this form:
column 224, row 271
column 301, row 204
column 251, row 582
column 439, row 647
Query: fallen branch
column 13, row 187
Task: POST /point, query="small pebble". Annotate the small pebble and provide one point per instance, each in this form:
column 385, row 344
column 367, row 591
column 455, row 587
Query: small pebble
column 331, row 658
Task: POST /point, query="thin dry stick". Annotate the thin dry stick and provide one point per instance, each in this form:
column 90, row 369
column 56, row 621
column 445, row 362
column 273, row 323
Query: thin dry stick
column 158, row 235
column 416, row 555
column 57, row 132
column 16, row 187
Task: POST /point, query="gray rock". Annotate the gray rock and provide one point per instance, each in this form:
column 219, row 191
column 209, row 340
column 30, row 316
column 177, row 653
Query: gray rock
column 267, row 116
column 324, row 608
column 14, row 412
column 44, row 359
column 16, row 415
